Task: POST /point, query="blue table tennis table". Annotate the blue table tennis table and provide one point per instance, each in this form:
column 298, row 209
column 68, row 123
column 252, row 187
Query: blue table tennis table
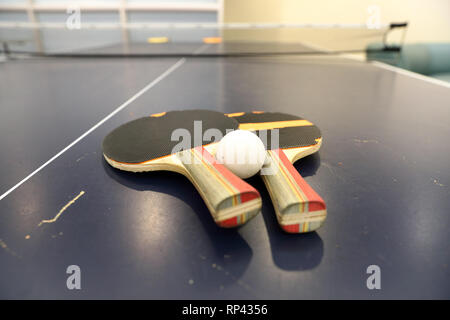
column 383, row 170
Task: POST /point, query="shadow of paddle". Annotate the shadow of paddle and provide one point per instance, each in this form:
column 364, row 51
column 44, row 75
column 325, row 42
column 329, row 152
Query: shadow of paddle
column 231, row 253
column 291, row 251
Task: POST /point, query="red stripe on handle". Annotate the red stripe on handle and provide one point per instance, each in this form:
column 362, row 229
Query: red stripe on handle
column 315, row 202
column 229, row 223
column 247, row 191
column 292, row 228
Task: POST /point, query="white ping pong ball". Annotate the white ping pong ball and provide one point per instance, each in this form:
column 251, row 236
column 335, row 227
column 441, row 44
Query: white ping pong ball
column 242, row 152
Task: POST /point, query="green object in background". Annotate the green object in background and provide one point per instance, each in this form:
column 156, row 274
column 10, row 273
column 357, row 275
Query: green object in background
column 431, row 59
column 377, row 52
column 444, row 76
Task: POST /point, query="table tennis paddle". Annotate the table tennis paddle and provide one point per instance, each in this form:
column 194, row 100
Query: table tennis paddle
column 149, row 144
column 298, row 207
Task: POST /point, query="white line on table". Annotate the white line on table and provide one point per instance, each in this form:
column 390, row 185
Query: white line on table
column 119, row 108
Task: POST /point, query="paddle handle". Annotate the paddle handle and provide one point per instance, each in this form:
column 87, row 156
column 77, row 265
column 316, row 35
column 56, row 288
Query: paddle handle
column 298, row 207
column 230, row 200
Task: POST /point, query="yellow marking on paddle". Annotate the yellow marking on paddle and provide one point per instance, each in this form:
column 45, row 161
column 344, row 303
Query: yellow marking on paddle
column 62, row 210
column 158, row 40
column 274, row 125
column 237, row 114
column 257, row 112
column 156, row 115
column 212, row 40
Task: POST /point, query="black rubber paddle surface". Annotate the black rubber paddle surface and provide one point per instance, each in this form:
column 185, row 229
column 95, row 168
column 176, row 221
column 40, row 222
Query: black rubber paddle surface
column 289, row 137
column 149, row 138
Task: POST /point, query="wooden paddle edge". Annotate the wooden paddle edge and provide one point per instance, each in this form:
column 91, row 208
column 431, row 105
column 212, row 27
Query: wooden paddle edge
column 228, row 217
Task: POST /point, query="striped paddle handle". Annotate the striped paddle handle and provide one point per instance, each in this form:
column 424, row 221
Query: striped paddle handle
column 298, row 207
column 230, row 200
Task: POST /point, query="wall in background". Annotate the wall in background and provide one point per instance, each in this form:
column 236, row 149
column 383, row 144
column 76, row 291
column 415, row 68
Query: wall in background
column 106, row 11
column 429, row 21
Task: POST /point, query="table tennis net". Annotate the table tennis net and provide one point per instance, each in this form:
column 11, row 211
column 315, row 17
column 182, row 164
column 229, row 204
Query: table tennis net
column 196, row 40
